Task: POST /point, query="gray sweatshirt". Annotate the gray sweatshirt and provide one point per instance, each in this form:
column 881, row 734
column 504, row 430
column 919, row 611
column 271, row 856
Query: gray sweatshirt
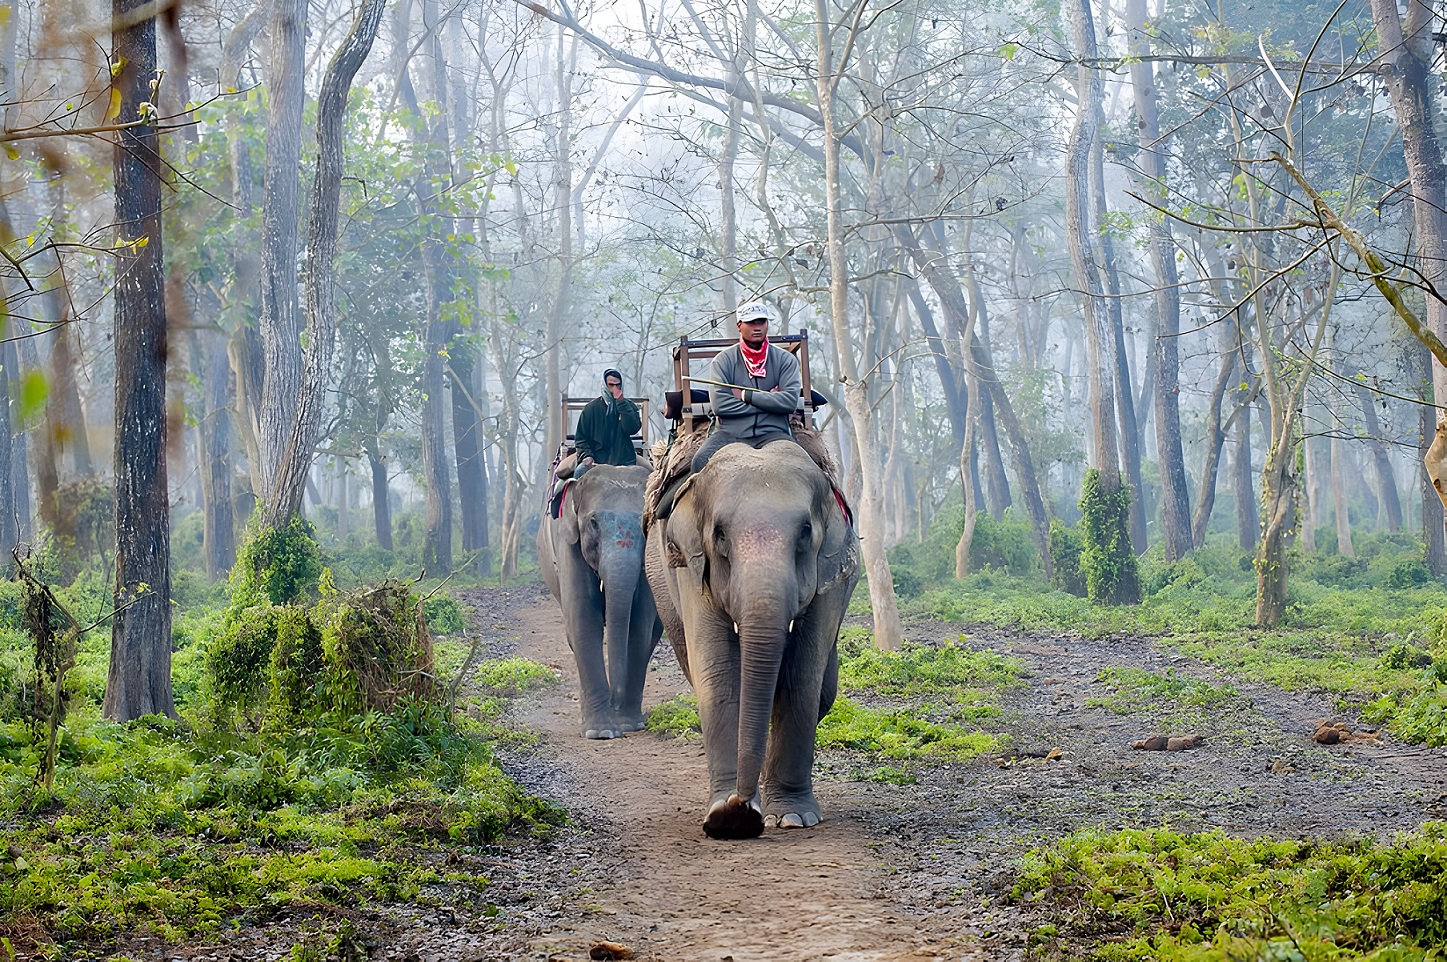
column 762, row 412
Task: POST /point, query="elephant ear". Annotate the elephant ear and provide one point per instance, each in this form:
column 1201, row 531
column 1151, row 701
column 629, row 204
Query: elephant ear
column 839, row 552
column 684, row 538
column 568, row 514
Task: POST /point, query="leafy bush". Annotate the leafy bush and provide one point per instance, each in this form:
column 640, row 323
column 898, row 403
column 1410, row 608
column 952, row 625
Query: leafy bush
column 1065, row 548
column 377, row 649
column 1401, row 657
column 1003, row 545
column 899, row 734
column 677, row 716
column 444, row 615
column 281, row 565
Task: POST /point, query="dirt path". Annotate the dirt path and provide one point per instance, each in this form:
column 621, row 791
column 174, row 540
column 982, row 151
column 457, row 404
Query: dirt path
column 669, row 892
column 905, row 872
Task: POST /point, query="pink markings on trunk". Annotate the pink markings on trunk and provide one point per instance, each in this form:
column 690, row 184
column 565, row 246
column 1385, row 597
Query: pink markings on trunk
column 625, row 536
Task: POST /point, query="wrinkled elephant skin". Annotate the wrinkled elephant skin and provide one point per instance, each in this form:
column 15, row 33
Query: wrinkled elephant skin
column 591, row 557
column 752, row 573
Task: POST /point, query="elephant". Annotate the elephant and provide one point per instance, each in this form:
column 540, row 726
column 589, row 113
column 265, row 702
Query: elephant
column 591, row 556
column 752, row 570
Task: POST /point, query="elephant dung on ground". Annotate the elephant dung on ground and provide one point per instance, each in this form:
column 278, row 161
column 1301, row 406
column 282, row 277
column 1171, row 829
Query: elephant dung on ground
column 752, row 572
column 591, row 557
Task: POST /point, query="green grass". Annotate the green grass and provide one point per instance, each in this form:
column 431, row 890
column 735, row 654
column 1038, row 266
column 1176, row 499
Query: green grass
column 1179, row 699
column 955, row 685
column 677, row 716
column 165, row 827
column 899, row 734
column 1340, row 637
column 1157, row 894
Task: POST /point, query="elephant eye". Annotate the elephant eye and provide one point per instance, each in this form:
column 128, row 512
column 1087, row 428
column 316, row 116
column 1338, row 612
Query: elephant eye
column 806, row 536
column 720, row 539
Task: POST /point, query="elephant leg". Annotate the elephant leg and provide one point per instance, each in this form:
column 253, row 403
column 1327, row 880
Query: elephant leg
column 713, row 653
column 644, row 630
column 789, row 800
column 585, row 637
column 664, row 584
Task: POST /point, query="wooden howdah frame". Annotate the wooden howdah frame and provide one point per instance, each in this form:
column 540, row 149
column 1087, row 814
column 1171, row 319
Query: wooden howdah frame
column 572, row 408
column 692, row 358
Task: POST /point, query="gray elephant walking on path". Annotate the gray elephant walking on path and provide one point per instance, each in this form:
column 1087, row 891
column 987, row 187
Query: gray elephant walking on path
column 591, row 556
column 752, row 570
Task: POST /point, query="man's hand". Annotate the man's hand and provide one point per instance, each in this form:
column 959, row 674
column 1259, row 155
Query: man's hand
column 587, row 462
column 616, row 390
column 738, row 394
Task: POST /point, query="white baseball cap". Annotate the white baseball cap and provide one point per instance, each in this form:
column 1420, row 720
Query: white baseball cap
column 754, row 311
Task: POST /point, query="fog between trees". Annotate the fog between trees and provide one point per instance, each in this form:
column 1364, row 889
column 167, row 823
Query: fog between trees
column 1027, row 240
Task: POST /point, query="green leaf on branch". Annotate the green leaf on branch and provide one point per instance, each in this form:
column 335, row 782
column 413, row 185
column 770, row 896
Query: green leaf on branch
column 34, row 392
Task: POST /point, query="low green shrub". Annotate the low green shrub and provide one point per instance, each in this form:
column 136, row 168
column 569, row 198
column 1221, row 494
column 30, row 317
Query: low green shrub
column 1157, row 894
column 279, row 565
column 899, row 734
column 677, row 716
column 444, row 615
column 1065, row 548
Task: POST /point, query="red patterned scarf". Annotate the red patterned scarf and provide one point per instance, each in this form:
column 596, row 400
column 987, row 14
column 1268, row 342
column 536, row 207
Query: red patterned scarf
column 754, row 359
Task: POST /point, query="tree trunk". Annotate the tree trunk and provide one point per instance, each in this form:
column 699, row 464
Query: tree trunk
column 299, row 437
column 1434, row 534
column 219, row 521
column 998, row 486
column 1177, row 533
column 280, row 321
column 381, row 499
column 888, row 630
column 1407, row 66
column 20, row 457
column 1129, row 427
column 1313, row 475
column 467, row 442
column 245, row 350
column 1080, row 232
column 1381, row 458
column 1339, row 469
column 1248, row 519
column 1215, row 441
column 139, row 678
column 9, row 531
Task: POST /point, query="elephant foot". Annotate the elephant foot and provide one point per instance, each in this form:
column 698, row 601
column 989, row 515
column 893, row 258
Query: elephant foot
column 632, row 721
column 798, row 811
column 603, row 726
column 733, row 818
column 792, row 820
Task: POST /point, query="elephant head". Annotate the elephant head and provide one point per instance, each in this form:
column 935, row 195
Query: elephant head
column 591, row 557
column 758, row 561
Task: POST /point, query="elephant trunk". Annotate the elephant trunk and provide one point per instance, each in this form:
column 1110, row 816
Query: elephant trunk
column 761, row 651
column 621, row 572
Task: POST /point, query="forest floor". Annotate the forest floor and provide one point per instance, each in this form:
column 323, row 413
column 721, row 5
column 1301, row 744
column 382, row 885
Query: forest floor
column 894, row 872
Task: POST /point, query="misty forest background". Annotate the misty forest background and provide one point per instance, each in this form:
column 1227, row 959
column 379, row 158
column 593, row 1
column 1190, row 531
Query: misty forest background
column 1177, row 267
column 1129, row 316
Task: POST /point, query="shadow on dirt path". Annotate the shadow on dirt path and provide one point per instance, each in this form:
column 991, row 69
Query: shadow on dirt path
column 917, row 871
